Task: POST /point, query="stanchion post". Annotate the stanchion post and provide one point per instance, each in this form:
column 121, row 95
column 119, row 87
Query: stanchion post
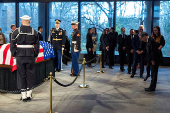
column 51, row 78
column 50, row 92
column 84, row 85
column 62, row 61
column 100, row 64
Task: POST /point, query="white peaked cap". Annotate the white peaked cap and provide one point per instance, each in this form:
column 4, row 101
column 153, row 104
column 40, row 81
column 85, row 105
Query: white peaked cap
column 25, row 17
column 74, row 23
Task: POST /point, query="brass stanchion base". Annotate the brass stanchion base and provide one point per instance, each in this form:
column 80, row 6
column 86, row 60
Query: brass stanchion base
column 100, row 71
column 85, row 86
column 62, row 69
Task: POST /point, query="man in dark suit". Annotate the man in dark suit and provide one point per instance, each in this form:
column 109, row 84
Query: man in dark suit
column 113, row 36
column 138, row 53
column 121, row 40
column 57, row 39
column 40, row 30
column 13, row 27
column 129, row 49
column 105, row 48
column 66, row 49
column 152, row 57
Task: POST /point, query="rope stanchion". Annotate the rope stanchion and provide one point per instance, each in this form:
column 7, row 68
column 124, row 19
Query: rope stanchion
column 100, row 64
column 62, row 61
column 71, row 82
column 67, row 57
column 19, row 91
column 84, row 85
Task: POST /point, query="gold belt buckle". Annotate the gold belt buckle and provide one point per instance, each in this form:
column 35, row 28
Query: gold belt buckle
column 57, row 39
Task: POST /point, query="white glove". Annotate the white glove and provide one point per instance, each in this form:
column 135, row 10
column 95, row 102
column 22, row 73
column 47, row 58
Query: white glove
column 62, row 48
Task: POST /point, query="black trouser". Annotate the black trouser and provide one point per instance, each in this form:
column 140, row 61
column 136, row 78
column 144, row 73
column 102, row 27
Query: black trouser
column 110, row 58
column 122, row 56
column 113, row 58
column 103, row 56
column 89, row 55
column 137, row 57
column 130, row 60
column 148, row 68
column 154, row 76
column 66, row 53
column 26, row 72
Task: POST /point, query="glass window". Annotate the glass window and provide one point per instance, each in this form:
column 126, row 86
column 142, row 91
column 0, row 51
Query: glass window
column 37, row 13
column 7, row 17
column 132, row 14
column 95, row 14
column 64, row 11
column 162, row 19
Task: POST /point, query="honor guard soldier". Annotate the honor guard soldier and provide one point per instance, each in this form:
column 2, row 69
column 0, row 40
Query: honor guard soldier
column 25, row 47
column 57, row 39
column 75, row 47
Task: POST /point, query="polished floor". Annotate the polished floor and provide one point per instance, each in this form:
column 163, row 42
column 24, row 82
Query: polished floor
column 109, row 92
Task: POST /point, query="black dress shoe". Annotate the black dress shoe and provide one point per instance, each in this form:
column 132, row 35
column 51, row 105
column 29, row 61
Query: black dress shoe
column 129, row 73
column 103, row 67
column 149, row 90
column 110, row 67
column 146, row 78
column 24, row 100
column 59, row 70
column 28, row 99
column 122, row 70
column 132, row 76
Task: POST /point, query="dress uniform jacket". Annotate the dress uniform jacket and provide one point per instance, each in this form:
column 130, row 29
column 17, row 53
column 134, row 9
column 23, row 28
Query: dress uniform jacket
column 57, row 38
column 23, row 39
column 75, row 41
column 24, row 35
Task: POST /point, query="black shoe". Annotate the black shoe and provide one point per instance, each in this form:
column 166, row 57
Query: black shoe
column 146, row 78
column 122, row 70
column 149, row 90
column 103, row 67
column 129, row 73
column 28, row 98
column 59, row 70
column 132, row 76
column 24, row 100
column 110, row 67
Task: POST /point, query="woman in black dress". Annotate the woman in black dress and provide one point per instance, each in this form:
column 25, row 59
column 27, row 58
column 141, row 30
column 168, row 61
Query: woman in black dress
column 156, row 35
column 89, row 46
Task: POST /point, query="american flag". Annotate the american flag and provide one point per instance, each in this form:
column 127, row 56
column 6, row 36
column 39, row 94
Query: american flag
column 45, row 52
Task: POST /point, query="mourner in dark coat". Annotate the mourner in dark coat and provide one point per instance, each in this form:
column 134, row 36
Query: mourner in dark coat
column 75, row 47
column 57, row 39
column 121, row 40
column 113, row 43
column 138, row 53
column 25, row 37
column 129, row 49
column 40, row 30
column 66, row 49
column 152, row 57
column 13, row 27
column 105, row 47
column 89, row 46
column 160, row 43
